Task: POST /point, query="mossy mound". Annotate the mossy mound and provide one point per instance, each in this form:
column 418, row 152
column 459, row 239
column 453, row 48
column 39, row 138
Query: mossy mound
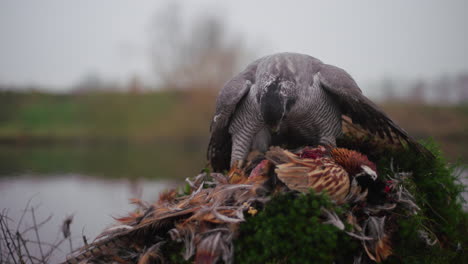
column 289, row 229
column 411, row 213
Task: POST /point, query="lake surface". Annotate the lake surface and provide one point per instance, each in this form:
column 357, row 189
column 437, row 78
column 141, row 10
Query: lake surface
column 92, row 182
column 93, row 202
column 164, row 160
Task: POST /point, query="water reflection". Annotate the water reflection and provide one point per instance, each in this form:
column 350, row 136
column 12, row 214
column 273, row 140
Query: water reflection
column 162, row 160
column 92, row 201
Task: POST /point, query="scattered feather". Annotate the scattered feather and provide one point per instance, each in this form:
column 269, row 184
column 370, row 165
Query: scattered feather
column 206, row 218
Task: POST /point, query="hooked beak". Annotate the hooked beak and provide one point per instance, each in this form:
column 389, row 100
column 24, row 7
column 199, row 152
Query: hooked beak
column 369, row 171
column 275, row 129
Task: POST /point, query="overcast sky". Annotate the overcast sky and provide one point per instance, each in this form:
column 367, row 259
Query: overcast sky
column 54, row 43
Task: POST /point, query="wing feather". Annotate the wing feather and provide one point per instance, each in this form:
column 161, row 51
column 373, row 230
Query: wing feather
column 230, row 96
column 340, row 85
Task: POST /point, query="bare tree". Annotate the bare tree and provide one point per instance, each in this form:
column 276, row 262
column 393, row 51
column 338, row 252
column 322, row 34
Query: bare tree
column 388, row 87
column 462, row 84
column 443, row 90
column 418, row 92
column 195, row 53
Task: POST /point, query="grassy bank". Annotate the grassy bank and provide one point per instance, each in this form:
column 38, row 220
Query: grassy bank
column 148, row 135
column 179, row 117
column 100, row 117
column 447, row 125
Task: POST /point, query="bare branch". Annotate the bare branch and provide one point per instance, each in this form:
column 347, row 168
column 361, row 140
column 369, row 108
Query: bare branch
column 24, row 213
column 35, row 227
column 7, row 234
column 15, row 246
column 53, row 247
column 85, row 241
column 20, row 238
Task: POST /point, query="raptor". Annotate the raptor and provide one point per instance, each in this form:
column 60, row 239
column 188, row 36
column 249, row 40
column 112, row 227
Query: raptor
column 291, row 100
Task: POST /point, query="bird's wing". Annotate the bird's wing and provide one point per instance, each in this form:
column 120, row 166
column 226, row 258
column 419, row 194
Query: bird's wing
column 233, row 92
column 342, row 87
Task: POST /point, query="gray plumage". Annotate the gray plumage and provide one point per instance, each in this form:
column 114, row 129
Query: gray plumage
column 293, row 100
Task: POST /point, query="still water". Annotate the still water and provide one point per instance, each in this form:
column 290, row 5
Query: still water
column 91, row 182
column 93, row 202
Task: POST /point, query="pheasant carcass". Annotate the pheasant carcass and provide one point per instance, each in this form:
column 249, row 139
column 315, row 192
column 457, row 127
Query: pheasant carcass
column 313, row 168
column 206, row 220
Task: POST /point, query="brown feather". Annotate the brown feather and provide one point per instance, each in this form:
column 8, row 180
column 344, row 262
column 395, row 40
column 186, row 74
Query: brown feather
column 319, row 174
column 351, row 160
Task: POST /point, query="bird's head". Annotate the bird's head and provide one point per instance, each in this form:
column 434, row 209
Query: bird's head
column 354, row 162
column 276, row 99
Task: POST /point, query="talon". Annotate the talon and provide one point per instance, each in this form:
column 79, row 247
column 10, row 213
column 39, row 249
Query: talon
column 236, row 174
column 240, row 164
column 328, row 150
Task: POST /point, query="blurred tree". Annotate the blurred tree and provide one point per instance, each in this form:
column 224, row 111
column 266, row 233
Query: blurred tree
column 443, row 90
column 462, row 84
column 89, row 82
column 135, row 85
column 388, row 87
column 194, row 54
column 418, row 92
column 93, row 82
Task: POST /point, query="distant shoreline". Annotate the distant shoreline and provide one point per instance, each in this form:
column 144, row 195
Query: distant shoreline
column 179, row 117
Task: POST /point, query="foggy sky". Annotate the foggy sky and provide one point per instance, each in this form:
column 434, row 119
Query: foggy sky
column 54, row 43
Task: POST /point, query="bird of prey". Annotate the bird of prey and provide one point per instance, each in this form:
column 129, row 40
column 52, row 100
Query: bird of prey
column 292, row 100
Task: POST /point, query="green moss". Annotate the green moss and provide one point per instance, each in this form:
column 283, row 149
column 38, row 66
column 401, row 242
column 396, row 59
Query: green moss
column 438, row 193
column 173, row 251
column 289, row 230
column 437, row 190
